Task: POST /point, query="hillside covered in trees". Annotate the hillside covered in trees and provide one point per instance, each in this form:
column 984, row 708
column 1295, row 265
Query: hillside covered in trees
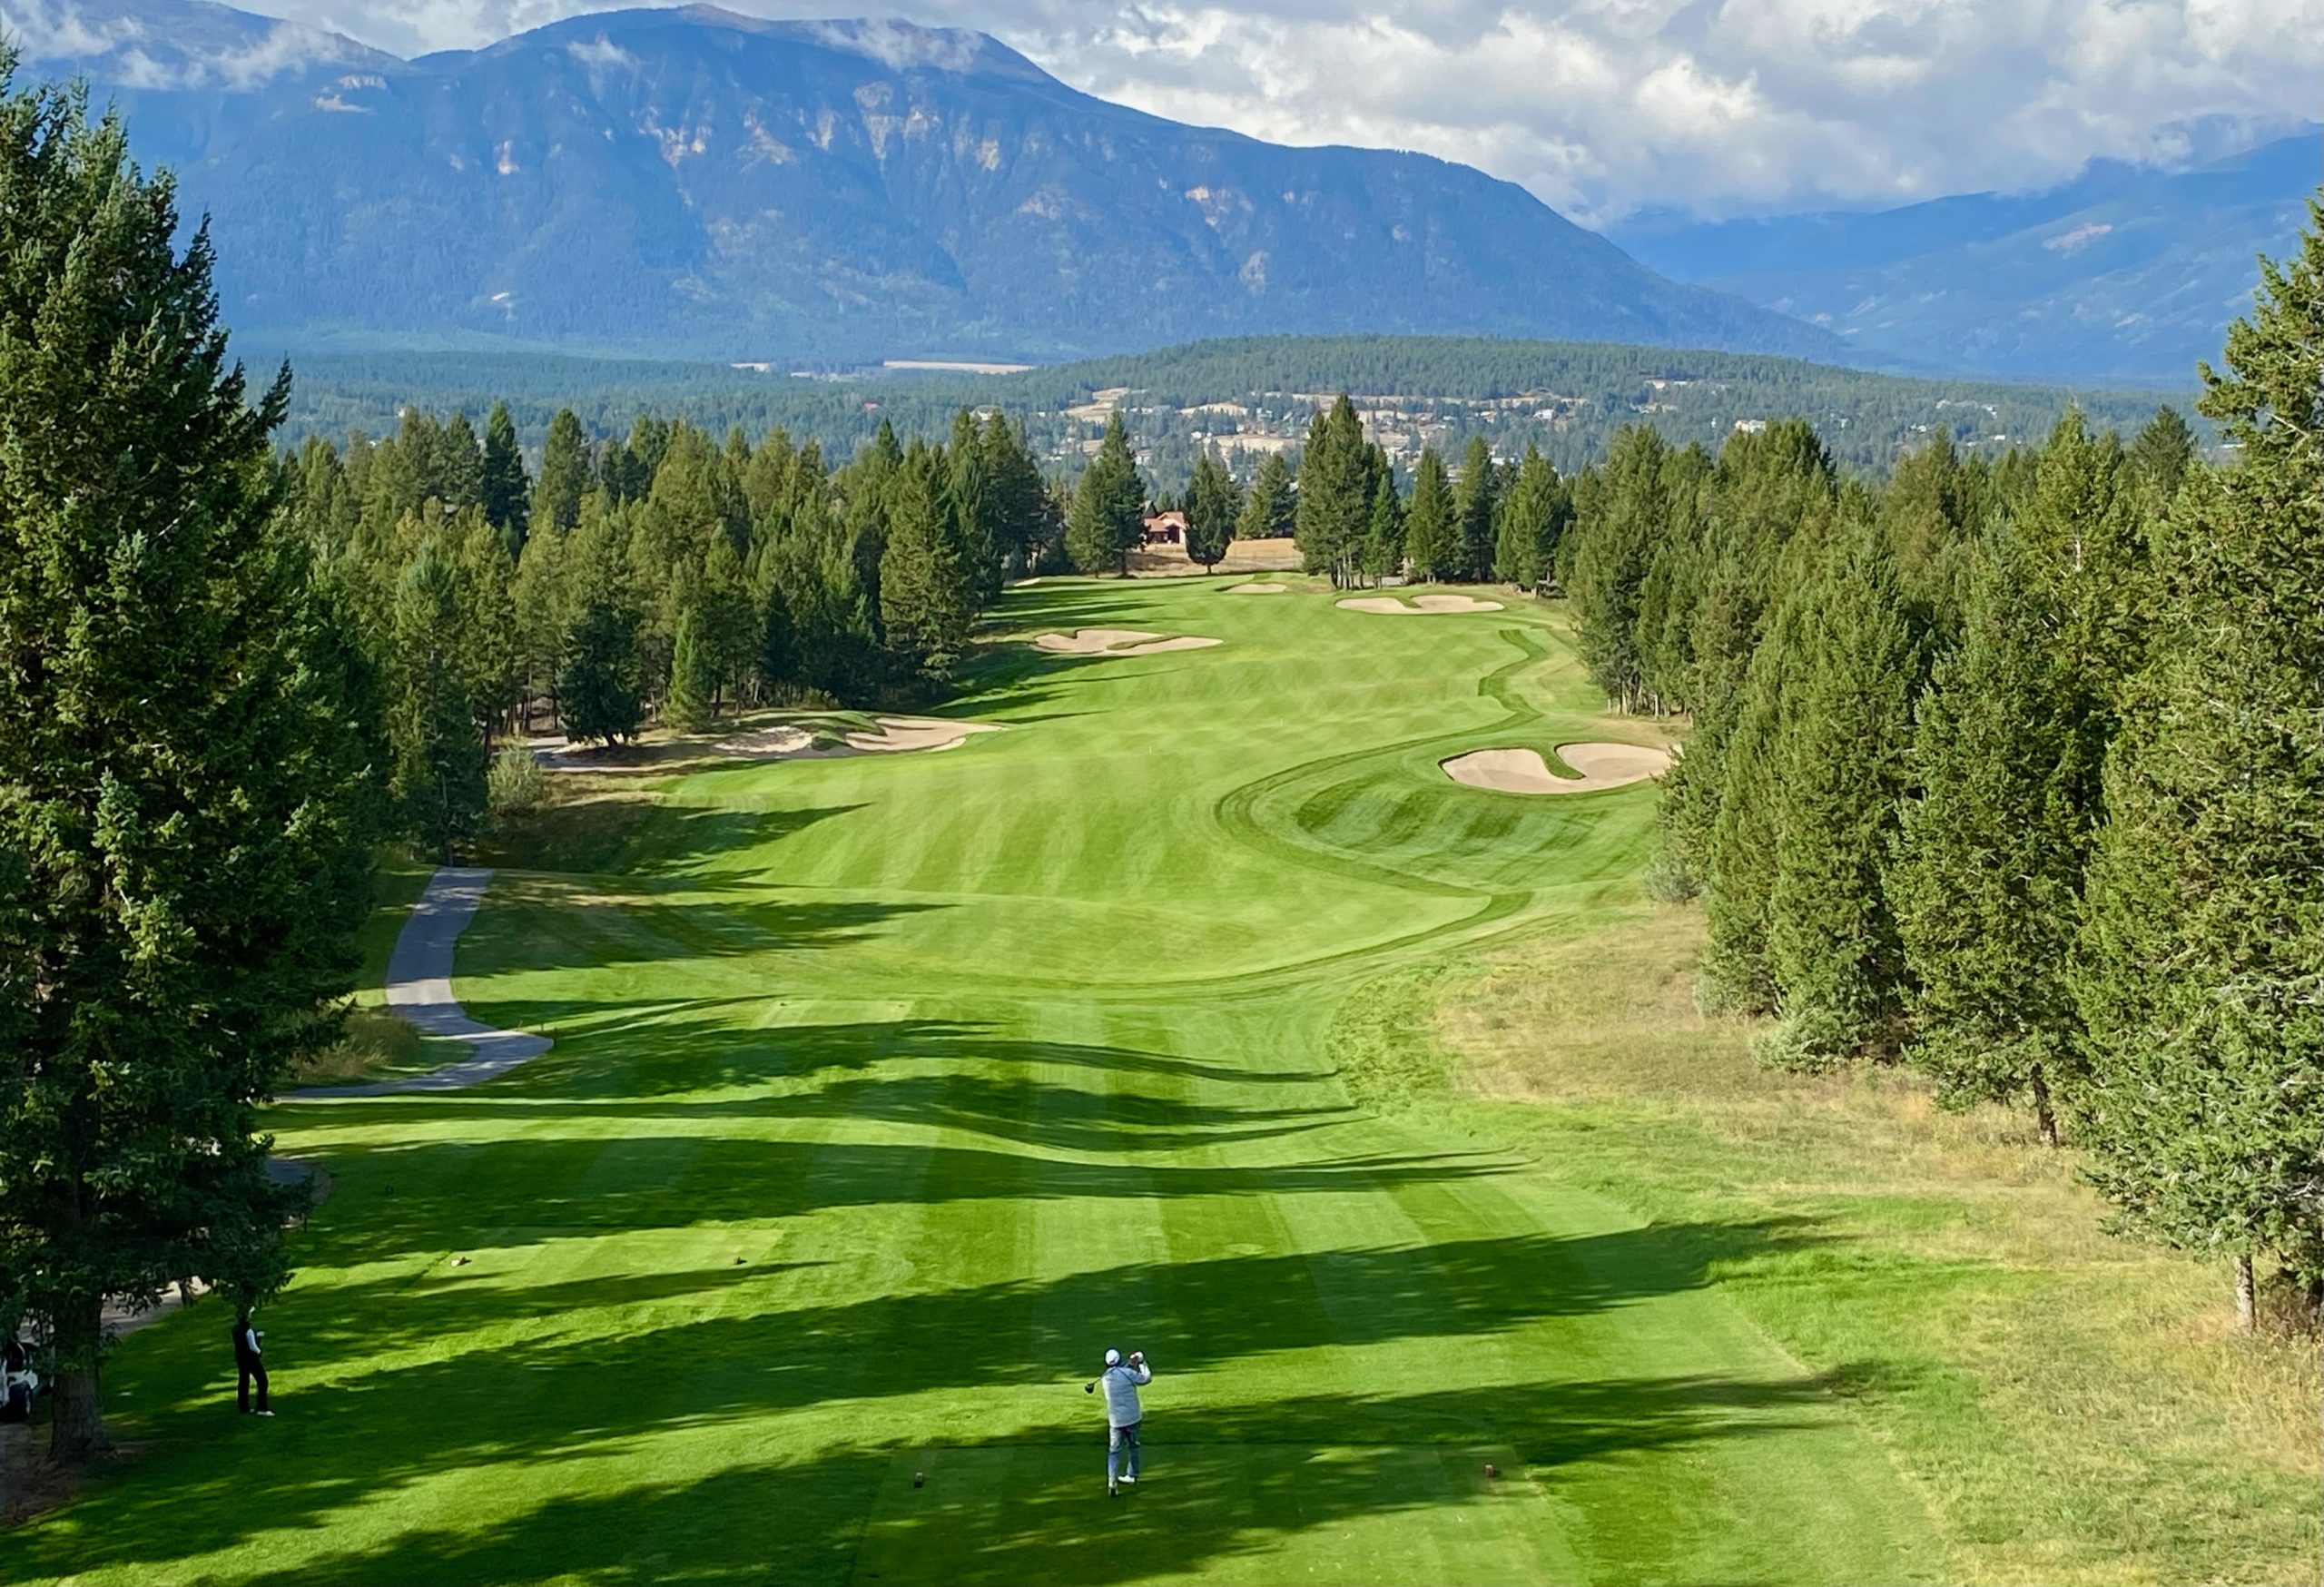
column 1247, row 396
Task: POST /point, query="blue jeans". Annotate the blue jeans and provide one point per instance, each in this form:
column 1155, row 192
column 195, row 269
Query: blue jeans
column 1121, row 1454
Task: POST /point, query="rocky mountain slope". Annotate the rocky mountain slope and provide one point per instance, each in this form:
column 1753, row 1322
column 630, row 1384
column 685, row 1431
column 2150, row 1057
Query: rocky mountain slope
column 698, row 182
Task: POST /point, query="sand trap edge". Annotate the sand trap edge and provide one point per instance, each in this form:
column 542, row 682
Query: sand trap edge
column 1517, row 769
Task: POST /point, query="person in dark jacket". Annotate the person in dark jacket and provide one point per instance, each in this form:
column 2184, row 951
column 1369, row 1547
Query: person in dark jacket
column 248, row 1364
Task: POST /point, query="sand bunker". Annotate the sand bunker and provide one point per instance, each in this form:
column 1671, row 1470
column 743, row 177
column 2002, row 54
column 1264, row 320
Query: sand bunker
column 787, row 743
column 1257, row 588
column 1421, row 605
column 1116, row 641
column 1523, row 771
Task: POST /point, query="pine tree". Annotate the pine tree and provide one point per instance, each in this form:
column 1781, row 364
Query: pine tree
column 621, row 475
column 926, row 605
column 488, row 652
column 1432, row 538
column 1020, row 496
column 1270, row 509
column 1840, row 764
column 2200, row 983
column 1109, row 507
column 456, row 464
column 183, row 858
column 1475, row 500
column 694, row 677
column 2159, row 458
column 1987, row 883
column 537, row 597
column 1533, row 516
column 733, row 624
column 976, row 508
column 599, row 688
column 1212, row 504
column 506, row 490
column 440, row 755
column 1384, row 538
column 1738, row 864
column 1611, row 558
column 1335, row 509
column 775, row 658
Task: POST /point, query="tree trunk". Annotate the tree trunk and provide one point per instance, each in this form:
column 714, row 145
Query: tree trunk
column 78, row 1426
column 2247, row 1299
column 2046, row 1117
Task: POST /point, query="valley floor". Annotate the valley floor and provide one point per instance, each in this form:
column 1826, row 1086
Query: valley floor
column 1196, row 1011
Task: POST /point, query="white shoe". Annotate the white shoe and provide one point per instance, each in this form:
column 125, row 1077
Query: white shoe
column 1129, row 1478
column 266, row 1413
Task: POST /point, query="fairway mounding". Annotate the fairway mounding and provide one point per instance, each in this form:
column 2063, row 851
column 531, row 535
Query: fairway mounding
column 1257, row 588
column 1427, row 606
column 1523, row 771
column 1118, row 642
column 419, row 991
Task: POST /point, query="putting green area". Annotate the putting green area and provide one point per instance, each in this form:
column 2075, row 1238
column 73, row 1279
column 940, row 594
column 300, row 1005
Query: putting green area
column 887, row 1092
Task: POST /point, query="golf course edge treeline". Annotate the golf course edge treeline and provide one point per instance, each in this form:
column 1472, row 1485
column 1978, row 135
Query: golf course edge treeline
column 2011, row 772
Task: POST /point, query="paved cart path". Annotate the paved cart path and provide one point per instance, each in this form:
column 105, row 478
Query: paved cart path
column 419, row 991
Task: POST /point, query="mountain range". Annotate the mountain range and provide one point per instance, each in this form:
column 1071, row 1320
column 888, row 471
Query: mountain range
column 700, row 184
column 2124, row 271
column 696, row 184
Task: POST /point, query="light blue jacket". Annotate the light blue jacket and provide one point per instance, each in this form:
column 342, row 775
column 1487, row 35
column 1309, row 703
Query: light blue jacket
column 1120, row 1383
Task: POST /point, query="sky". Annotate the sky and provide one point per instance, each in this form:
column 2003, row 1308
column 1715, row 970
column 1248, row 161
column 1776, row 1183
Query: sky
column 1602, row 107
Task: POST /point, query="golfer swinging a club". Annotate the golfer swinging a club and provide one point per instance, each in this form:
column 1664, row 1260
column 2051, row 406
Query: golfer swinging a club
column 1121, row 1380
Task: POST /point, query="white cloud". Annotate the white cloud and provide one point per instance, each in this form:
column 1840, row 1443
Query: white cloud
column 1601, row 107
column 599, row 52
column 899, row 45
column 143, row 56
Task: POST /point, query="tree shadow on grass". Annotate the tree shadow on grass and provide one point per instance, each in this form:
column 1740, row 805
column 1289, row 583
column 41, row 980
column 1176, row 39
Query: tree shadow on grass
column 421, row 1195
column 1225, row 1484
column 575, row 1385
column 624, row 1052
column 637, row 832
column 542, row 921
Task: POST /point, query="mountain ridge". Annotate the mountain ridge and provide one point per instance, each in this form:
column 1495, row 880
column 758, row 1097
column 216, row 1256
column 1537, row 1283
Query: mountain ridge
column 2122, row 271
column 697, row 183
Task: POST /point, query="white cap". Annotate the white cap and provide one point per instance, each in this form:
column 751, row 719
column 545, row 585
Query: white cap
column 1113, row 1358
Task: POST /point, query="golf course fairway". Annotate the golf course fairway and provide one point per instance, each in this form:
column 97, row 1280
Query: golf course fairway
column 887, row 1092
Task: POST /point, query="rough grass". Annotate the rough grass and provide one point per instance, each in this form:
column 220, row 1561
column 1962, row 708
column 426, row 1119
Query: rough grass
column 2073, row 1405
column 888, row 1091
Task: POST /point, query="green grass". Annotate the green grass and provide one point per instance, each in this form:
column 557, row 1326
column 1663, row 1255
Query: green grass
column 888, row 1091
column 376, row 1043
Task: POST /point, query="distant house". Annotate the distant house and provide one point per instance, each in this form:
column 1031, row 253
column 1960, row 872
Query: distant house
column 1166, row 528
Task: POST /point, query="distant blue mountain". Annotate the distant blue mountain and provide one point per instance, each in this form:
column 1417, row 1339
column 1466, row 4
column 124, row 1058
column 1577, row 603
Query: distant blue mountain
column 695, row 183
column 2123, row 272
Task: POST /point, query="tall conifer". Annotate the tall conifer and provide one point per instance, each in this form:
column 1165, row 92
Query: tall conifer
column 506, row 489
column 1212, row 504
column 182, row 854
column 1432, row 539
column 1476, row 499
column 1335, row 496
column 1270, row 507
column 1109, row 507
column 2202, row 984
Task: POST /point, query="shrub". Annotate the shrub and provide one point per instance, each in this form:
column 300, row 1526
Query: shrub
column 515, row 783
